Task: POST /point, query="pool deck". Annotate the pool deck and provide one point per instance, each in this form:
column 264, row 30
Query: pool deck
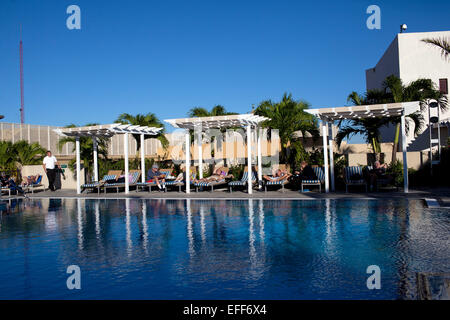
column 441, row 194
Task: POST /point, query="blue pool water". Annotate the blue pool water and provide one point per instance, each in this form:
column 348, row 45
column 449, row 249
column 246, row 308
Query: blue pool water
column 220, row 249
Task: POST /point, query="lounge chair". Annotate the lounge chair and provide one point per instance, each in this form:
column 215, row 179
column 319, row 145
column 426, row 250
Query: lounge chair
column 34, row 185
column 142, row 185
column 111, row 175
column 244, row 180
column 6, row 189
column 201, row 184
column 353, row 176
column 281, row 182
column 135, row 174
column 181, row 184
column 315, row 182
column 15, row 188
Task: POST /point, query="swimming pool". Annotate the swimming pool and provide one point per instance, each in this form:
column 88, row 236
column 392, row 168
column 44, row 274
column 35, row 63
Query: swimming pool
column 219, row 249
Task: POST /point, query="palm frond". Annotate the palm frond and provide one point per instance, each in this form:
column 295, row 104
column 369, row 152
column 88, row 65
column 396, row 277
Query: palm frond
column 441, row 43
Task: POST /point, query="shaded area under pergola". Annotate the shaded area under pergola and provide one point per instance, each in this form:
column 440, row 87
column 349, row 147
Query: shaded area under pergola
column 107, row 131
column 327, row 115
column 248, row 121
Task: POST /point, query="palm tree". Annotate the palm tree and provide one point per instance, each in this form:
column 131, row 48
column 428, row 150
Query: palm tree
column 288, row 116
column 149, row 120
column 369, row 128
column 418, row 90
column 86, row 150
column 198, row 112
column 218, row 110
column 7, row 161
column 442, row 43
column 27, row 153
column 393, row 91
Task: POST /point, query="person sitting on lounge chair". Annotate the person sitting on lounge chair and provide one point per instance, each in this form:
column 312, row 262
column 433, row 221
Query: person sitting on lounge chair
column 277, row 176
column 306, row 172
column 216, row 176
column 154, row 175
column 8, row 182
column 3, row 180
column 378, row 172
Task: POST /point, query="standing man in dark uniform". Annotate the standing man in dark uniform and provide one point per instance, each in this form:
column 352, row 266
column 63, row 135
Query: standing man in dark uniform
column 50, row 165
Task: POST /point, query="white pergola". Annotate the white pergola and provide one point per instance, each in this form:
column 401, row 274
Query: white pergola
column 107, row 131
column 328, row 115
column 248, row 121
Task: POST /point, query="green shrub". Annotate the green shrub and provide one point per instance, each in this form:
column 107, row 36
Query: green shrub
column 395, row 169
column 237, row 171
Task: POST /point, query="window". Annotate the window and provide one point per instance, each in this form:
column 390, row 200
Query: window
column 443, row 86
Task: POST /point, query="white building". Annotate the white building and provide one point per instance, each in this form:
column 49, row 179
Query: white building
column 408, row 58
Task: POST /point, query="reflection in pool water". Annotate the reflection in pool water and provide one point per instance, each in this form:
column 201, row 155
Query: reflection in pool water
column 218, row 249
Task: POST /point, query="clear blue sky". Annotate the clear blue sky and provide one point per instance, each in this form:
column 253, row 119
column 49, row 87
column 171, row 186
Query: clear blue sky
column 166, row 57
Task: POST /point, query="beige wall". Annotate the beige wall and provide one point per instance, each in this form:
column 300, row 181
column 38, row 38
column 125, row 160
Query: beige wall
column 415, row 159
column 69, row 183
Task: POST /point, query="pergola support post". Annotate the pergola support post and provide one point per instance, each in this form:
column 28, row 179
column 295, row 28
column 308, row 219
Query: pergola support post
column 249, row 158
column 188, row 161
column 259, row 132
column 325, row 155
column 142, row 158
column 95, row 146
column 405, row 160
column 330, row 142
column 200, row 152
column 125, row 151
column 78, row 165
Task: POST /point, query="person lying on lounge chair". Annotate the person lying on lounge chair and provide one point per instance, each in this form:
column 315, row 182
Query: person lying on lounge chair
column 277, row 176
column 216, row 176
column 28, row 181
column 154, row 175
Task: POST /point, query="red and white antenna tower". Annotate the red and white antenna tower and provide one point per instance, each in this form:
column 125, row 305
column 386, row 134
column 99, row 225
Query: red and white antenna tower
column 22, row 109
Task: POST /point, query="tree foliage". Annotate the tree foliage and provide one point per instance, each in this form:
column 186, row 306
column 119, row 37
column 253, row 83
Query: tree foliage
column 288, row 116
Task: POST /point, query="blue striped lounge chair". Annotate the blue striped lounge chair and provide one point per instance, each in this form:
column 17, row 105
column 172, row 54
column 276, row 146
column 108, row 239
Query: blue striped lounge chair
column 244, row 180
column 353, row 176
column 135, row 174
column 112, row 175
column 315, row 182
column 212, row 184
column 180, row 184
column 142, row 185
column 281, row 183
